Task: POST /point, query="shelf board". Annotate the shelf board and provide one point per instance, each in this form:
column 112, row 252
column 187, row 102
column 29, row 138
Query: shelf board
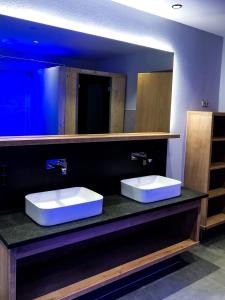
column 217, row 165
column 218, row 114
column 216, row 192
column 214, row 221
column 83, row 138
column 92, row 283
column 218, row 139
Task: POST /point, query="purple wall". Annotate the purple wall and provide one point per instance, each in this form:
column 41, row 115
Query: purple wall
column 222, row 85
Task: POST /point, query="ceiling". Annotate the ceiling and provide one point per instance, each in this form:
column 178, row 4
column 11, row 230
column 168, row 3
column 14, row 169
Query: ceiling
column 19, row 36
column 207, row 15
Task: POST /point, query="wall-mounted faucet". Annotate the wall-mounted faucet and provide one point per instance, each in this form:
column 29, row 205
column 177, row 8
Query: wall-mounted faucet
column 141, row 156
column 58, row 164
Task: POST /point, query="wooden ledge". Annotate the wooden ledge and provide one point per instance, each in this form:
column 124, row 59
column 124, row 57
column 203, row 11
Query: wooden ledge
column 92, row 283
column 214, row 221
column 82, row 138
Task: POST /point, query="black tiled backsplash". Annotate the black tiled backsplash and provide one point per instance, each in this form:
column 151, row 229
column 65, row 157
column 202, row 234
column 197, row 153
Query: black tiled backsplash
column 99, row 166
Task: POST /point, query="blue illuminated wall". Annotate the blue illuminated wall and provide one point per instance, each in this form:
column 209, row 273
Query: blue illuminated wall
column 28, row 100
column 44, row 108
column 15, row 102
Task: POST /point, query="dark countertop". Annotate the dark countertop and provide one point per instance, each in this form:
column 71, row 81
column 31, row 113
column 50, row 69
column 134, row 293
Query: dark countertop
column 18, row 229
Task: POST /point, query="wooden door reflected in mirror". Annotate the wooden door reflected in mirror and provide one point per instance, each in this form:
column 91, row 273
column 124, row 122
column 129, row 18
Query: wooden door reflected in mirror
column 153, row 101
column 71, row 101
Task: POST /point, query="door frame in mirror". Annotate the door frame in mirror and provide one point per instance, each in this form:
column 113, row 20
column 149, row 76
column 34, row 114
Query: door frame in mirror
column 69, row 96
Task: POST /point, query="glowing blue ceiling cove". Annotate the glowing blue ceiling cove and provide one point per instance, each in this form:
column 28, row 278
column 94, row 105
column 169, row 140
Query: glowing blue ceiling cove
column 71, row 24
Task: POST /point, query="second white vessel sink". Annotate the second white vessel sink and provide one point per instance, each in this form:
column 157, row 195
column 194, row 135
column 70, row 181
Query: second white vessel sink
column 150, row 188
column 60, row 206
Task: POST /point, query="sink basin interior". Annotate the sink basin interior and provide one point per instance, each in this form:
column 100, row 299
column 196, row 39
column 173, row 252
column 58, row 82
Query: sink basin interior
column 62, row 198
column 150, row 182
column 150, row 188
column 64, row 205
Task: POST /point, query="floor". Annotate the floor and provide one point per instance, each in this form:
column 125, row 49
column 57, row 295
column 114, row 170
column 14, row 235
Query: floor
column 201, row 275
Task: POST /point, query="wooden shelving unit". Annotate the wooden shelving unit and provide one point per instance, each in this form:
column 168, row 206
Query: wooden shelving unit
column 205, row 163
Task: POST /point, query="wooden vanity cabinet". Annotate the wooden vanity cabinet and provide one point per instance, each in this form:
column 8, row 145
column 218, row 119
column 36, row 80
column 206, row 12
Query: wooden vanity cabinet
column 73, row 264
column 205, row 163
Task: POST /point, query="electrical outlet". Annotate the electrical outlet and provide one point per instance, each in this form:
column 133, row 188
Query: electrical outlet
column 205, row 103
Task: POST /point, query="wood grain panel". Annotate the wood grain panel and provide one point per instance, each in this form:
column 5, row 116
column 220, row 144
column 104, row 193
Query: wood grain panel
column 219, row 139
column 198, row 155
column 7, row 273
column 154, row 101
column 217, row 165
column 71, row 100
column 195, row 233
column 198, row 150
column 215, row 220
column 117, row 103
column 216, row 192
column 96, row 73
column 204, row 211
column 83, row 138
column 62, row 99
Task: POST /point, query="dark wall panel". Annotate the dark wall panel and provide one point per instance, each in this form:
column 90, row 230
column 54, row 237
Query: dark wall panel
column 99, row 166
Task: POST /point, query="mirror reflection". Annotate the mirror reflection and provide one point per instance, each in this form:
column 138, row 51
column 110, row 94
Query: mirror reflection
column 57, row 81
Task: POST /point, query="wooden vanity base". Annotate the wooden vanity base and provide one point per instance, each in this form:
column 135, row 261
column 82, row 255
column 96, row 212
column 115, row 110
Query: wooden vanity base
column 172, row 230
column 7, row 273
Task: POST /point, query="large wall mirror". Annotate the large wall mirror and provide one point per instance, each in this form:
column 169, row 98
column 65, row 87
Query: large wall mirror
column 57, row 81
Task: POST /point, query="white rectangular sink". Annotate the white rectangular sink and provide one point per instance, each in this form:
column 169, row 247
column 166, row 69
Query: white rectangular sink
column 150, row 188
column 65, row 205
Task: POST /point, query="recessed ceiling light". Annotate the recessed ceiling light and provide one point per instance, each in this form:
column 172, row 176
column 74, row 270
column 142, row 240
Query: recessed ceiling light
column 177, row 6
column 36, row 42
